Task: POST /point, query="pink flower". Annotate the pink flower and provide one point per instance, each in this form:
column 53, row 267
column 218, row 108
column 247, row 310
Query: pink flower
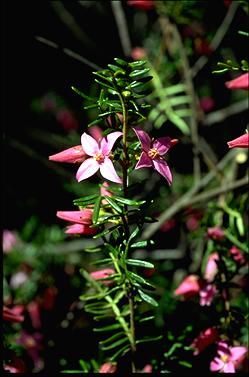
column 206, row 103
column 211, row 267
column 216, row 233
column 152, row 153
column 34, row 312
column 237, row 255
column 138, row 53
column 9, row 240
column 95, row 132
column 189, row 287
column 240, row 142
column 228, row 358
column 102, row 274
column 142, row 4
column 207, row 294
column 14, row 314
column 80, row 229
column 147, row 369
column 99, row 157
column 108, row 368
column 240, row 82
column 33, row 345
column 18, row 279
column 71, row 155
column 204, row 339
column 81, row 217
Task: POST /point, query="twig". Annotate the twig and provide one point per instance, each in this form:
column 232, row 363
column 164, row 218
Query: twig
column 121, row 23
column 183, row 201
column 68, row 52
column 220, row 115
column 199, row 64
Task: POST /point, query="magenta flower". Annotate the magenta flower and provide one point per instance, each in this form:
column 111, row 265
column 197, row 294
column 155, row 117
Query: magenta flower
column 189, row 287
column 99, row 157
column 152, row 153
column 71, row 155
column 207, row 294
column 216, row 233
column 211, row 267
column 228, row 358
column 237, row 255
column 240, row 142
column 204, row 339
column 240, row 82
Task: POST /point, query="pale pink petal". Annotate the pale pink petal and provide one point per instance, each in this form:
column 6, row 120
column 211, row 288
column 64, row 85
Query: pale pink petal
column 80, row 229
column 162, row 144
column 162, row 167
column 229, row 367
column 87, row 169
column 237, row 353
column 240, row 142
column 108, row 171
column 89, row 144
column 144, row 161
column 216, row 365
column 108, row 141
column 144, row 139
column 80, row 217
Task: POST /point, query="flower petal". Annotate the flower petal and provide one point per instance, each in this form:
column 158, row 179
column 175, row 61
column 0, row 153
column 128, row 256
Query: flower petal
column 162, row 167
column 240, row 82
column 240, row 142
column 162, row 144
column 87, row 169
column 144, row 138
column 80, row 229
column 89, row 144
column 108, row 142
column 144, row 161
column 229, row 367
column 216, row 365
column 80, row 217
column 108, row 171
column 237, row 353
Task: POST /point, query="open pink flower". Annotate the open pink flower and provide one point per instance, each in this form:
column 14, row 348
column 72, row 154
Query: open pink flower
column 152, row 153
column 240, row 82
column 240, row 142
column 204, row 339
column 228, row 358
column 71, row 155
column 189, row 287
column 207, row 294
column 99, row 157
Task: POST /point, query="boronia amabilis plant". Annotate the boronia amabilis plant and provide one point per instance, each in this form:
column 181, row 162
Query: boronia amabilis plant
column 114, row 215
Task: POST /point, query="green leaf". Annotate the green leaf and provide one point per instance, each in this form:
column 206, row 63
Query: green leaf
column 96, row 210
column 82, row 94
column 185, row 363
column 137, row 63
column 139, row 263
column 172, row 349
column 240, row 226
column 139, row 244
column 105, row 232
column 146, row 319
column 139, row 72
column 115, row 326
column 93, row 249
column 115, row 344
column 102, row 261
column 84, row 199
column 121, row 62
column 113, row 204
column 129, row 201
column 149, row 339
column 103, row 84
column 147, row 298
column 120, row 352
column 140, row 279
column 84, row 366
column 111, row 338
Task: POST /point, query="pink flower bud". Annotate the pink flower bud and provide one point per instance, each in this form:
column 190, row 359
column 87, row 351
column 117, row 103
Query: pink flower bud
column 80, row 217
column 34, row 312
column 71, row 155
column 237, row 255
column 189, row 287
column 14, row 314
column 147, row 368
column 102, row 274
column 240, row 82
column 216, row 233
column 204, row 339
column 96, row 132
column 108, row 368
column 211, row 267
column 240, row 142
column 80, row 229
column 206, row 103
column 138, row 53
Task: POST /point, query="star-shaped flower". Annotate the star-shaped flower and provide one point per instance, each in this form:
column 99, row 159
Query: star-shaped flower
column 98, row 157
column 152, row 153
column 228, row 358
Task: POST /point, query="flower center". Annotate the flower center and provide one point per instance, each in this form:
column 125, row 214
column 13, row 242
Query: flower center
column 224, row 358
column 153, row 153
column 99, row 157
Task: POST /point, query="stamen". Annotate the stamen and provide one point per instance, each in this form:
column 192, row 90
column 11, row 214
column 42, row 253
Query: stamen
column 224, row 358
column 153, row 153
column 99, row 157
